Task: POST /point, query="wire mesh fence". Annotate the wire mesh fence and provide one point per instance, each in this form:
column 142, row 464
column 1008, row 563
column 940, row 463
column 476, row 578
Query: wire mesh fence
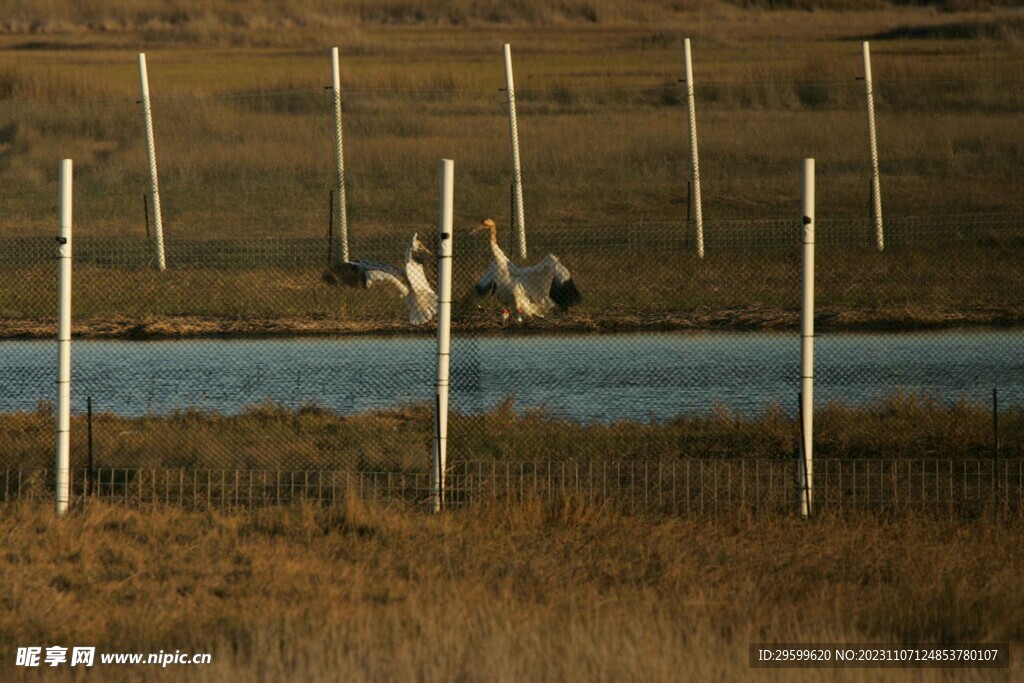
column 684, row 487
column 239, row 358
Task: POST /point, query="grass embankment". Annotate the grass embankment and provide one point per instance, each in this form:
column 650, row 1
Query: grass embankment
column 268, row 437
column 970, row 283
column 530, row 592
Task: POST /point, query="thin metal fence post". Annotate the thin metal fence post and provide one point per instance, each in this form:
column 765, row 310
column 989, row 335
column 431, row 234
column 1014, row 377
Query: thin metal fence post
column 675, row 492
column 952, row 484
column 90, row 483
column 590, row 481
column 868, row 469
column 757, row 483
column 647, row 486
column 700, row 490
column 632, row 487
column 730, row 495
column 995, row 420
column 661, row 488
column 604, row 481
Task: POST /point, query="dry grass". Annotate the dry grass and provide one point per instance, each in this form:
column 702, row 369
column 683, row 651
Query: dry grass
column 593, row 155
column 625, row 284
column 526, row 593
column 400, row 440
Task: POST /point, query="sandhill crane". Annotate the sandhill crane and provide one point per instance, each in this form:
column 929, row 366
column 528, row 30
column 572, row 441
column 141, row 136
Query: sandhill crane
column 411, row 282
column 530, row 290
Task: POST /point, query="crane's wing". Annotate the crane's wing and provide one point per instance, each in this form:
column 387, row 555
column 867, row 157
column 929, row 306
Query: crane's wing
column 486, row 284
column 373, row 272
column 422, row 307
column 563, row 290
column 534, row 282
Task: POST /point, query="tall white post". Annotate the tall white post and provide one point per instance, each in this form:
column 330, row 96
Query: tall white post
column 444, row 320
column 805, row 466
column 63, row 491
column 876, row 188
column 154, row 184
column 517, row 175
column 694, row 161
column 341, row 248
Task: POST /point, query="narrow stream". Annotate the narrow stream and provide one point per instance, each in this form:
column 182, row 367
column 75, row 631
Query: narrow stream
column 590, row 378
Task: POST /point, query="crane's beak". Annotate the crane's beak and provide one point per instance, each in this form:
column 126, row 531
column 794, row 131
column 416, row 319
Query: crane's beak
column 423, row 248
column 480, row 228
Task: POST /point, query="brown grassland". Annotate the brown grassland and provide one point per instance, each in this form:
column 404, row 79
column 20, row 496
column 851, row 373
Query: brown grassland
column 274, row 437
column 244, row 139
column 561, row 591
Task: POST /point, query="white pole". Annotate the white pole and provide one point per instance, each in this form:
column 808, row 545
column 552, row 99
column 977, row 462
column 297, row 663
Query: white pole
column 341, row 250
column 517, row 175
column 876, row 189
column 444, row 320
column 154, row 184
column 695, row 163
column 63, row 492
column 805, row 466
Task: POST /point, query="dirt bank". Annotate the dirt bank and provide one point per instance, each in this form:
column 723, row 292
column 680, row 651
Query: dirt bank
column 745, row 318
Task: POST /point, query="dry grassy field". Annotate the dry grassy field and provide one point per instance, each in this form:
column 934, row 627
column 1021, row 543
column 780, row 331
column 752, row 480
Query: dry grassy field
column 244, row 139
column 600, row 98
column 270, row 437
column 559, row 592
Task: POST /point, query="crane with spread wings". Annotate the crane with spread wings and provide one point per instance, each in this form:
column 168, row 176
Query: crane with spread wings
column 530, row 290
column 411, row 282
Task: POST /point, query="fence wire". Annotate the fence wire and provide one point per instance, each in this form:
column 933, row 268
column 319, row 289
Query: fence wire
column 241, row 359
column 692, row 486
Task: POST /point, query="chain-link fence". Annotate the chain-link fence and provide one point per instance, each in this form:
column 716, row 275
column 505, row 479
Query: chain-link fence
column 238, row 375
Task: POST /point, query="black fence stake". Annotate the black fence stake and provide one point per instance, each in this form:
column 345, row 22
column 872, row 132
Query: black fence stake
column 995, row 419
column 90, row 472
column 145, row 213
column 511, row 213
column 330, row 228
column 689, row 201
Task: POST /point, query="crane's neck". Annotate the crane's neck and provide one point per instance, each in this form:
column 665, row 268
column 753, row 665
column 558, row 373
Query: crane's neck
column 416, row 274
column 496, row 251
